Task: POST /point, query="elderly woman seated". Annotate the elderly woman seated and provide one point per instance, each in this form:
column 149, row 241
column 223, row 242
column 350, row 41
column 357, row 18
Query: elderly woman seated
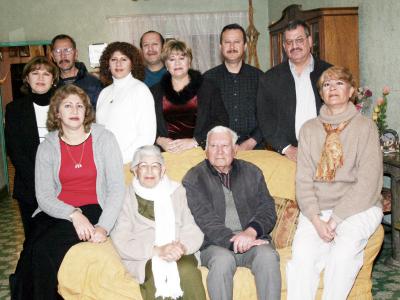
column 156, row 235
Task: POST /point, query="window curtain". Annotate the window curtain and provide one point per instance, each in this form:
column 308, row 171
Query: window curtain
column 200, row 31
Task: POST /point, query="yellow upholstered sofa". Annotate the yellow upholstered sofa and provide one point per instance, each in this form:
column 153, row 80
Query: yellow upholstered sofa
column 91, row 271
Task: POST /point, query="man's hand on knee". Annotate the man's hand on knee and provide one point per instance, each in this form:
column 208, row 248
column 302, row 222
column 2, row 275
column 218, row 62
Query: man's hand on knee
column 244, row 240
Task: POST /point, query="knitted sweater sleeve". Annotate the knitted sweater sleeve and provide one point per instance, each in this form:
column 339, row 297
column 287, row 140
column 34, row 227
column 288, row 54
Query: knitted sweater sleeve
column 111, row 162
column 305, row 192
column 365, row 193
column 46, row 185
column 145, row 121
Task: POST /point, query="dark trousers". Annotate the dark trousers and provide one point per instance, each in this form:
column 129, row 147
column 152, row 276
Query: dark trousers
column 36, row 273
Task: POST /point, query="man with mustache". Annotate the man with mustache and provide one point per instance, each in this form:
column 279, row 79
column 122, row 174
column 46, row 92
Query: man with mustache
column 65, row 55
column 151, row 44
column 287, row 94
column 238, row 82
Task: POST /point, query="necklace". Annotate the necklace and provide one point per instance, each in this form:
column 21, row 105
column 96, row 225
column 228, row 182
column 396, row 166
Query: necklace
column 78, row 165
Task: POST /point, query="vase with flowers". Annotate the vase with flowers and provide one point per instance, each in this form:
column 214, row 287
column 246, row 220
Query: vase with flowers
column 364, row 101
column 379, row 113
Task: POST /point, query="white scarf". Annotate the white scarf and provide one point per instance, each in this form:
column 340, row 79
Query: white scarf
column 166, row 275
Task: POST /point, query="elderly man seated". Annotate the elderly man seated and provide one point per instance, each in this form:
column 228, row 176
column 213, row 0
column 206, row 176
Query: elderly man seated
column 231, row 204
column 155, row 233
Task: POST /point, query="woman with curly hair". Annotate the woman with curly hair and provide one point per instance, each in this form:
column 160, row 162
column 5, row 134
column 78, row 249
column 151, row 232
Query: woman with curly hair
column 25, row 128
column 187, row 105
column 338, row 186
column 79, row 185
column 125, row 106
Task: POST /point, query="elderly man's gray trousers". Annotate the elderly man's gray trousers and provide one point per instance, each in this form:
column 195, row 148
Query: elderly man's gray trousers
column 263, row 261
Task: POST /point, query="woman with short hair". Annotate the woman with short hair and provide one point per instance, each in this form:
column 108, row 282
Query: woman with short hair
column 187, row 104
column 156, row 235
column 125, row 106
column 25, row 128
column 338, row 186
column 79, row 187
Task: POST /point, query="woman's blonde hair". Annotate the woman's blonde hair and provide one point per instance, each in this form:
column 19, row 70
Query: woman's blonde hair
column 175, row 46
column 53, row 121
column 338, row 73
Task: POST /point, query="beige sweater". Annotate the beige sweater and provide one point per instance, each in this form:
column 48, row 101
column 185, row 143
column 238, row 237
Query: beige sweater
column 357, row 184
column 133, row 235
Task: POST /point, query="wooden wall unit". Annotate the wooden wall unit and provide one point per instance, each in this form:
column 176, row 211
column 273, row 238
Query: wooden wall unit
column 334, row 32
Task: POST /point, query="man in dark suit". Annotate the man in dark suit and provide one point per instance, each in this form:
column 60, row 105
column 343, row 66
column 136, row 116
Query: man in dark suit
column 287, row 94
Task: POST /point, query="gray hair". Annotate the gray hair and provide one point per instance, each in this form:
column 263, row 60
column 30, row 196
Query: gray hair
column 222, row 129
column 292, row 25
column 148, row 150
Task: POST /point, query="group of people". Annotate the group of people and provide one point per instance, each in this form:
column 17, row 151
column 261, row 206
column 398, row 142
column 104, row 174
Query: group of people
column 70, row 136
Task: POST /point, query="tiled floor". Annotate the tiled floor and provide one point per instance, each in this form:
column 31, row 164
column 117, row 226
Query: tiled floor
column 11, row 237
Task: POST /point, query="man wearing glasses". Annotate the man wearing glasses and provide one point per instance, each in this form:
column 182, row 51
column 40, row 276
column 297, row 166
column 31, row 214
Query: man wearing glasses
column 287, row 94
column 65, row 55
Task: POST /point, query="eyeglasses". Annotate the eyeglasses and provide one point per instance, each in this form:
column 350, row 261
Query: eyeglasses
column 66, row 51
column 299, row 41
column 145, row 166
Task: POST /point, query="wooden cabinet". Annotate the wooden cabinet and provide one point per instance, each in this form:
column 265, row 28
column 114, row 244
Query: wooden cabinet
column 334, row 32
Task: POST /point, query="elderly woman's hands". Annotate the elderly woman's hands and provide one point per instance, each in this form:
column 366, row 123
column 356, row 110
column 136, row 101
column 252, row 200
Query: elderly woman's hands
column 84, row 229
column 324, row 229
column 170, row 252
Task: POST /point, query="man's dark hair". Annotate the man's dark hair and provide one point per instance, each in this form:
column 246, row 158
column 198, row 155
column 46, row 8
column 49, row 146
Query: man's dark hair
column 152, row 31
column 296, row 23
column 62, row 37
column 233, row 26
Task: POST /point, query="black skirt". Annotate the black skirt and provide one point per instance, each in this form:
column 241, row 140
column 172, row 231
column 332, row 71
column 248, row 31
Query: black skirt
column 36, row 273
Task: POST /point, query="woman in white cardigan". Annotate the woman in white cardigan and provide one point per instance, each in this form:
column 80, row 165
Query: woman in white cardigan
column 125, row 106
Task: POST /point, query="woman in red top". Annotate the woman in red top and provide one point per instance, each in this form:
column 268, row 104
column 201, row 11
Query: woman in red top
column 79, row 187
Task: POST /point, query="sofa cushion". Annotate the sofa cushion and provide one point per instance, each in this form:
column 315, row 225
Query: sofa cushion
column 287, row 212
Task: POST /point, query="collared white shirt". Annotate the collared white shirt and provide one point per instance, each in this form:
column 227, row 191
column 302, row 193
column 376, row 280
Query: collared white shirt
column 305, row 98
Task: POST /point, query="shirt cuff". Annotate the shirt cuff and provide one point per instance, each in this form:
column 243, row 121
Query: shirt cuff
column 257, row 228
column 284, row 149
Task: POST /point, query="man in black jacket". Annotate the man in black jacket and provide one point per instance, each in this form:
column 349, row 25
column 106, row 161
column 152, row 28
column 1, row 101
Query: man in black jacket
column 65, row 55
column 287, row 94
column 231, row 204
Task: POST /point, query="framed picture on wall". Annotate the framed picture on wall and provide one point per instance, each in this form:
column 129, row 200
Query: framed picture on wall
column 389, row 141
column 24, row 51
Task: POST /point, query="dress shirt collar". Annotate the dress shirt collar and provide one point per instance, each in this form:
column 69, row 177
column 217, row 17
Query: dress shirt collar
column 309, row 68
column 234, row 74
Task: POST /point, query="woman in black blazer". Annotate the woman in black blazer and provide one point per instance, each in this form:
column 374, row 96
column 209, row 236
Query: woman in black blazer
column 187, row 105
column 25, row 127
